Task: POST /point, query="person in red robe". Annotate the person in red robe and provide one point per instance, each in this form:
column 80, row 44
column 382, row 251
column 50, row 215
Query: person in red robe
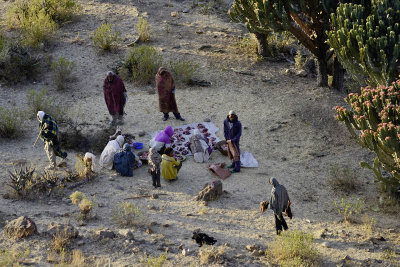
column 166, row 94
column 115, row 97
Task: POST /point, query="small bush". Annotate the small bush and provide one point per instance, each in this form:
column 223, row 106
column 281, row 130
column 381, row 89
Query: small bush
column 12, row 257
column 210, row 255
column 343, row 178
column 293, row 248
column 142, row 63
column 17, row 62
column 126, row 214
column 104, row 38
column 84, row 204
column 76, row 197
column 143, row 29
column 155, row 261
column 247, row 44
column 21, row 180
column 349, row 209
column 42, row 101
column 11, row 122
column 298, row 60
column 61, row 240
column 369, row 224
column 63, row 70
column 38, row 28
column 183, row 70
column 281, row 43
column 206, row 7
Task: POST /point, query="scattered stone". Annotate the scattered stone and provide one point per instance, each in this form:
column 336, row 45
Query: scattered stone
column 189, row 214
column 347, row 258
column 81, row 242
column 321, row 233
column 54, row 228
column 274, row 128
column 219, row 51
column 154, row 196
column 201, row 83
column 111, row 179
column 240, row 256
column 302, row 73
column 185, row 11
column 307, row 220
column 20, row 227
column 149, row 231
column 142, row 133
column 243, row 72
column 153, row 223
column 100, row 205
column 283, row 159
column 150, row 207
column 204, row 47
column 66, row 201
column 326, row 244
column 136, row 41
column 289, row 71
column 165, row 225
column 211, row 191
column 106, row 234
column 180, row 246
column 392, row 231
column 251, row 247
column 200, row 32
column 204, row 203
column 174, row 14
column 207, row 120
column 119, row 187
column 126, row 233
column 257, row 253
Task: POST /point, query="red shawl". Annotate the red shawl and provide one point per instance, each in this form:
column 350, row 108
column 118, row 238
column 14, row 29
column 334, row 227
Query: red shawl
column 114, row 95
column 165, row 84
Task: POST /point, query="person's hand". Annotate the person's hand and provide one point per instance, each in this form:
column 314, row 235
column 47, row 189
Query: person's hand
column 229, row 141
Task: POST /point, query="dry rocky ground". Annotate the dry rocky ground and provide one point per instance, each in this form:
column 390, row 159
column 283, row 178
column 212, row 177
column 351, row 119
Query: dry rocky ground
column 288, row 125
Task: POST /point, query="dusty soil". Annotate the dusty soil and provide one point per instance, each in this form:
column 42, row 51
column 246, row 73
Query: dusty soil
column 298, row 153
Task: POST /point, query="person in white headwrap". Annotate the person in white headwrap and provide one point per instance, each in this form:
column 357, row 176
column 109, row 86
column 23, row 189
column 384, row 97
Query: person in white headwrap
column 112, row 147
column 199, row 147
column 49, row 135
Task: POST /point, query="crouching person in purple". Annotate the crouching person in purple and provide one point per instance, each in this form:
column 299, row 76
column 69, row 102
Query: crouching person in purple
column 232, row 133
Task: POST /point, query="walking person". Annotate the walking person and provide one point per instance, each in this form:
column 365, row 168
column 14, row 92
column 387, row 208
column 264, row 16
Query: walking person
column 115, row 96
column 232, row 133
column 279, row 203
column 154, row 159
column 166, row 94
column 49, row 134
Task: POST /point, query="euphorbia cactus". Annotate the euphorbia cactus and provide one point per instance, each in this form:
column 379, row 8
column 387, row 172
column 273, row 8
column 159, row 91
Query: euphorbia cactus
column 366, row 39
column 374, row 121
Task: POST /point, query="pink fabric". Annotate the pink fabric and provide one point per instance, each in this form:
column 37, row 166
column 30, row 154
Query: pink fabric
column 165, row 135
column 114, row 95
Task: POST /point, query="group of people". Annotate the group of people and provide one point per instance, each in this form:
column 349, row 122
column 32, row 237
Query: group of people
column 161, row 159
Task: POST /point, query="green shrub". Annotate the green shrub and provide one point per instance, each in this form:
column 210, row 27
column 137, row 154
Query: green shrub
column 40, row 100
column 343, row 178
column 349, row 209
column 12, row 257
column 293, row 248
column 142, row 63
column 11, row 122
column 143, row 29
column 76, row 197
column 280, row 43
column 298, row 60
column 63, row 70
column 104, row 38
column 84, row 204
column 155, row 261
column 126, row 214
column 38, row 28
column 17, row 63
column 247, row 44
column 183, row 70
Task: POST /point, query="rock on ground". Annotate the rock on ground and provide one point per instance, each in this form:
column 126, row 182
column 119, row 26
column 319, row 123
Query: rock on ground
column 20, row 227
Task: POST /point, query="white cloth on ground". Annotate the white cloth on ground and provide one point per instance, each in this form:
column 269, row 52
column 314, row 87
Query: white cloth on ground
column 247, row 160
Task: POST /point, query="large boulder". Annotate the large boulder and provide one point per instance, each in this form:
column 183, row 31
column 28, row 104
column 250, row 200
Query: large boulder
column 211, row 191
column 20, row 227
column 54, row 228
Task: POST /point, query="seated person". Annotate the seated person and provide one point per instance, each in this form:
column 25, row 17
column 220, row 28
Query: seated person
column 124, row 161
column 199, row 147
column 169, row 165
column 162, row 140
column 112, row 147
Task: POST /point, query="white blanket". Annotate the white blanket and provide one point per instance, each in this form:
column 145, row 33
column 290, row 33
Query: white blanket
column 247, row 160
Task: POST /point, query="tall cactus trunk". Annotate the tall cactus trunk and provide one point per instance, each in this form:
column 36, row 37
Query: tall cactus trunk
column 262, row 47
column 338, row 75
column 322, row 71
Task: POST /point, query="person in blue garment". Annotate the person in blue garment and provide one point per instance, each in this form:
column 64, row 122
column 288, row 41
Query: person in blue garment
column 124, row 161
column 232, row 133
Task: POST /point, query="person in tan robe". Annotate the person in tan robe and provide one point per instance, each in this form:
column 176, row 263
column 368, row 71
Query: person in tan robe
column 166, row 94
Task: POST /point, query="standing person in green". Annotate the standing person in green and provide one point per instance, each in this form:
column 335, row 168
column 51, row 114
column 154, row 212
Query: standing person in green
column 166, row 94
column 49, row 134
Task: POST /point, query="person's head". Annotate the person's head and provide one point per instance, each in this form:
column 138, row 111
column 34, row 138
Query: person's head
column 169, row 151
column 120, row 140
column 169, row 131
column 127, row 147
column 110, row 76
column 40, row 116
column 273, row 182
column 231, row 115
column 161, row 71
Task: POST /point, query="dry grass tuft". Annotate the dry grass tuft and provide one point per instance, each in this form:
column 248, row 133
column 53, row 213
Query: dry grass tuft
column 126, row 214
column 210, row 254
